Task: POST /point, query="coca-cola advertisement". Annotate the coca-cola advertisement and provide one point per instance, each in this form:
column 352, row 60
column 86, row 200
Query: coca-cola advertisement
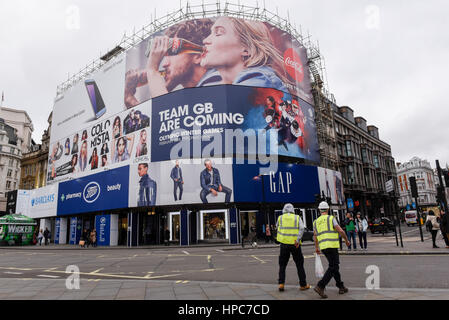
column 216, row 51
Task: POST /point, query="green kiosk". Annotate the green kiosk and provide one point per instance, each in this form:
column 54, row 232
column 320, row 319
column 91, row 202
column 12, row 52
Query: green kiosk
column 16, row 229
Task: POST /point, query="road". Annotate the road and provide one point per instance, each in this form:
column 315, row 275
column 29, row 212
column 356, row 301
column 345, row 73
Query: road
column 217, row 265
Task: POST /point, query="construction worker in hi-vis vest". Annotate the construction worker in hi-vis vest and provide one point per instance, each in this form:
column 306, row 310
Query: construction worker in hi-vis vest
column 325, row 234
column 290, row 230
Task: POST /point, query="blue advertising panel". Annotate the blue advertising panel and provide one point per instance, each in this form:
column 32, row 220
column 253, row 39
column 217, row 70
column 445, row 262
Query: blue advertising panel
column 198, row 116
column 103, row 227
column 75, row 230
column 350, row 203
column 57, row 229
column 102, row 191
column 290, row 183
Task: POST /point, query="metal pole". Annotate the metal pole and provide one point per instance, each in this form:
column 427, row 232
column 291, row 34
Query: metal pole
column 397, row 217
column 419, row 219
column 443, row 194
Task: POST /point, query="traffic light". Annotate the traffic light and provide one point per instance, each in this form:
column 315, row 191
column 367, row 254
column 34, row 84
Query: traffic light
column 413, row 187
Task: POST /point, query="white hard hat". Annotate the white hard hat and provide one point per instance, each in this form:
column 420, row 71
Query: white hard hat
column 323, row 206
column 288, row 208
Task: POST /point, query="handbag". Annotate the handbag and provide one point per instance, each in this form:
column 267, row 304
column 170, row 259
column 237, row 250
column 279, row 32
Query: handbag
column 319, row 270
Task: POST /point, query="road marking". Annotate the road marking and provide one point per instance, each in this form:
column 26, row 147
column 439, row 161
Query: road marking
column 96, row 271
column 262, row 261
column 47, row 276
column 186, row 253
column 219, row 250
column 10, row 272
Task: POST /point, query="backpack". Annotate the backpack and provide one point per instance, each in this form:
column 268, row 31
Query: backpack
column 429, row 226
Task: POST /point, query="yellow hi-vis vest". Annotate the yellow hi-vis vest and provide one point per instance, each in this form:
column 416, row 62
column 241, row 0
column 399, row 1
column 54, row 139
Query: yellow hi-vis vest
column 326, row 234
column 288, row 228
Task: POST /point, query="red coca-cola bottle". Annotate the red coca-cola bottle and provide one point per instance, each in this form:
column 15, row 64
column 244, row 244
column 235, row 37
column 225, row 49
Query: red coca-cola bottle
column 177, row 46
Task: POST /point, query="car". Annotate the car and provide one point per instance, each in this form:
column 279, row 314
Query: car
column 411, row 217
column 381, row 225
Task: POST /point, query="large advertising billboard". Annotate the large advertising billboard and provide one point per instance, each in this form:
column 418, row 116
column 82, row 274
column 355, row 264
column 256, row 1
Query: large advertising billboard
column 331, row 185
column 238, row 76
column 213, row 51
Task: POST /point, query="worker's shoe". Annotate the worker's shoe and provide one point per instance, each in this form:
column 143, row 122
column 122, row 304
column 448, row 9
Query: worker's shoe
column 320, row 292
column 281, row 287
column 306, row 287
column 342, row 290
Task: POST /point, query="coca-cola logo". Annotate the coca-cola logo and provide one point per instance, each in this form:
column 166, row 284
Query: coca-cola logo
column 293, row 65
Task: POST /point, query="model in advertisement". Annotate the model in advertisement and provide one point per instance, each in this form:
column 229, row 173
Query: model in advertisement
column 93, row 160
column 104, row 160
column 84, row 135
column 135, row 121
column 73, row 163
column 178, row 181
column 142, row 149
column 122, row 148
column 181, row 67
column 104, row 149
column 271, row 113
column 291, row 124
column 67, row 147
column 147, row 188
column 117, row 128
column 55, row 155
column 83, row 156
column 211, row 183
column 243, row 53
column 75, row 143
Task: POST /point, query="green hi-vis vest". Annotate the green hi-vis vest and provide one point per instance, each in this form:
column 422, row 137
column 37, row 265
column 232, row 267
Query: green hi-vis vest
column 288, row 228
column 326, row 233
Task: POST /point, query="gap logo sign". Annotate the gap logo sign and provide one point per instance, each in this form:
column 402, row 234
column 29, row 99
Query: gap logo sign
column 102, row 191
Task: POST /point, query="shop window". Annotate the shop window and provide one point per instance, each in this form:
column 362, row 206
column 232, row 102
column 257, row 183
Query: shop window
column 214, row 226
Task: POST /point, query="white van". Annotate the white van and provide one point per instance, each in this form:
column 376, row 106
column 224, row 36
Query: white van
column 411, row 217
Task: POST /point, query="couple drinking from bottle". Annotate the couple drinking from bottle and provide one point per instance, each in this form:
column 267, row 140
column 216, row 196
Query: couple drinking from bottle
column 202, row 52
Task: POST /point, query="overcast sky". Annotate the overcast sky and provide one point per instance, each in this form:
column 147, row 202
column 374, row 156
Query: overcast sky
column 387, row 60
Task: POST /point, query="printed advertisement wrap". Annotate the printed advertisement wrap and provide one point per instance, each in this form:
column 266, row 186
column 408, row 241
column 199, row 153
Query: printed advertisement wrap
column 57, row 230
column 227, row 120
column 331, row 185
column 75, row 230
column 109, row 143
column 23, row 199
column 102, row 191
column 291, row 183
column 185, row 182
column 205, row 52
column 43, row 202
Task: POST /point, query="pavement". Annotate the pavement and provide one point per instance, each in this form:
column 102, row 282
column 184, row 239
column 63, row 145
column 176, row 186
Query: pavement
column 50, row 289
column 15, row 288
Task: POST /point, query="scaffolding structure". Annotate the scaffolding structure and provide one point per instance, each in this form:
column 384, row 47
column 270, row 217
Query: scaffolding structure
column 209, row 10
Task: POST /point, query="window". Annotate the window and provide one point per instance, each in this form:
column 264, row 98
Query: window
column 11, row 162
column 351, row 178
column 348, row 148
column 9, row 175
column 376, row 161
column 14, row 186
column 364, row 156
column 8, row 185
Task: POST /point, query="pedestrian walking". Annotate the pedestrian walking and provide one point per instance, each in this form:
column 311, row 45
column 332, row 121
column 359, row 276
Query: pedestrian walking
column 46, row 234
column 325, row 234
column 350, row 230
column 444, row 227
column 93, row 238
column 167, row 236
column 40, row 236
column 268, row 233
column 361, row 226
column 290, row 230
column 434, row 227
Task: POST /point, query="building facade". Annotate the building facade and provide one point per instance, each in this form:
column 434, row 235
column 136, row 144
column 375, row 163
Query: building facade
column 10, row 157
column 425, row 181
column 21, row 121
column 366, row 164
column 35, row 163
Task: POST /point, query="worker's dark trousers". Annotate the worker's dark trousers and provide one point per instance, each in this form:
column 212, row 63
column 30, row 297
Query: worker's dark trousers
column 333, row 269
column 284, row 256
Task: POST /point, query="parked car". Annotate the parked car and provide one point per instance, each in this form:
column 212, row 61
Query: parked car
column 381, row 225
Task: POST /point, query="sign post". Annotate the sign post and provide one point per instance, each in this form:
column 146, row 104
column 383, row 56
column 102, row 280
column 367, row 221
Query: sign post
column 415, row 195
